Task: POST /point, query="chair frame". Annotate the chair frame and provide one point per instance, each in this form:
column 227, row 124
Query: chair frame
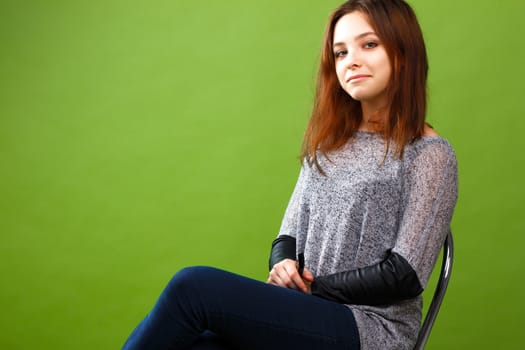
column 441, row 288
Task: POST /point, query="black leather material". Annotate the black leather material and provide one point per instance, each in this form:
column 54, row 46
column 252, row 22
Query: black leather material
column 283, row 247
column 392, row 280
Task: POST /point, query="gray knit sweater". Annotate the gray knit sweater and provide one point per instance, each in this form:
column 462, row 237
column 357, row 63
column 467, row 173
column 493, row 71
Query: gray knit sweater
column 365, row 207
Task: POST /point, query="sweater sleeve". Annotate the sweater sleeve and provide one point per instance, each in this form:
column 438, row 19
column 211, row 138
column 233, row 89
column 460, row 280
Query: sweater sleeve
column 429, row 197
column 389, row 281
column 295, row 218
column 283, row 247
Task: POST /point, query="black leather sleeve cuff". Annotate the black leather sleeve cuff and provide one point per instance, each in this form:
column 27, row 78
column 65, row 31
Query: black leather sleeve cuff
column 387, row 282
column 283, row 247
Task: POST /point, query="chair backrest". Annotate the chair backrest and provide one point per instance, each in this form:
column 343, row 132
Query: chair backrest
column 441, row 288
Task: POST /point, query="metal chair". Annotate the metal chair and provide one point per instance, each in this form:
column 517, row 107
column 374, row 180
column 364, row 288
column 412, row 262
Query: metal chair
column 441, row 288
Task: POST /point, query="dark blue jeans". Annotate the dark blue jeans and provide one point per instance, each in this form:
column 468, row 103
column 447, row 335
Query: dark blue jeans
column 206, row 308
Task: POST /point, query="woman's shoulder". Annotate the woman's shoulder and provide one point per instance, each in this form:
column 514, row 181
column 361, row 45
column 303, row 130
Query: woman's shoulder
column 429, row 131
column 431, row 146
column 431, row 139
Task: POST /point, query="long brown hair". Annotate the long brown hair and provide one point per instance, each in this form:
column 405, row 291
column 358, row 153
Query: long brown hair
column 336, row 116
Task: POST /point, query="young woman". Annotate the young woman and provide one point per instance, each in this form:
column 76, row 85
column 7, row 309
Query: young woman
column 370, row 211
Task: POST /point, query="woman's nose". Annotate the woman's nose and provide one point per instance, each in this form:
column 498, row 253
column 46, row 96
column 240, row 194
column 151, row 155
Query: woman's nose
column 353, row 60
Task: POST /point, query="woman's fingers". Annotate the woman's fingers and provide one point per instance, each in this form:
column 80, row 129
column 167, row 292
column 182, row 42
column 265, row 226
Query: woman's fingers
column 307, row 275
column 280, row 276
column 285, row 274
column 308, row 278
column 295, row 280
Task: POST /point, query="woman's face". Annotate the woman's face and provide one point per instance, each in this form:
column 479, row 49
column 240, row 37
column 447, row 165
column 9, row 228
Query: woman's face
column 362, row 64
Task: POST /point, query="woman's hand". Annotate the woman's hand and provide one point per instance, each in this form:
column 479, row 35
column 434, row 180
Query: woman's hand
column 285, row 274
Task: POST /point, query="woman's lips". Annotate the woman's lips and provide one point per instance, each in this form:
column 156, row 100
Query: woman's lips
column 357, row 78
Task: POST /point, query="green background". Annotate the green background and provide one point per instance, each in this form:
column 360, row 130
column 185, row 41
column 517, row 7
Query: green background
column 140, row 137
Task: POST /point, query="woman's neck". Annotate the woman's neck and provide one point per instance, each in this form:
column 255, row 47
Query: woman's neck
column 373, row 118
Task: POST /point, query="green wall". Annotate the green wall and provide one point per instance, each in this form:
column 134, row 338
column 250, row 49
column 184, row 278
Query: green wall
column 140, row 137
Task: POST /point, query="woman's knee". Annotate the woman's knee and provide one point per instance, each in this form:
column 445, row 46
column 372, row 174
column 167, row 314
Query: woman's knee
column 190, row 279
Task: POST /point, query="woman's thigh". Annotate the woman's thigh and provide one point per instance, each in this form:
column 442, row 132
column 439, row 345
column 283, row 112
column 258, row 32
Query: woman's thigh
column 211, row 341
column 250, row 314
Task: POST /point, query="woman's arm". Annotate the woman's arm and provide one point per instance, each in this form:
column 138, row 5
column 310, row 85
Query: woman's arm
column 430, row 193
column 284, row 269
column 389, row 281
column 283, row 247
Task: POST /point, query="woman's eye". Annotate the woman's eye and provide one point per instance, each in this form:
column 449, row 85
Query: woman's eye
column 340, row 53
column 370, row 45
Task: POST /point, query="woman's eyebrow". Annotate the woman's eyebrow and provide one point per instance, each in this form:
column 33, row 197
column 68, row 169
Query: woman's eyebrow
column 357, row 37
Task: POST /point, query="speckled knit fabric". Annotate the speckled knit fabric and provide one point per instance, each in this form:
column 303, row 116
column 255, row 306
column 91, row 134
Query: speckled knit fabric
column 364, row 208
